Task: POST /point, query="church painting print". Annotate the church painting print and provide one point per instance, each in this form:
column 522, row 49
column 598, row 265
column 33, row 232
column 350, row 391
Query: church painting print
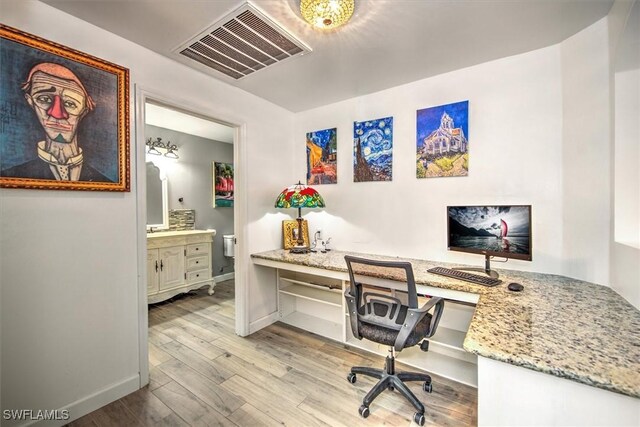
column 64, row 121
column 442, row 146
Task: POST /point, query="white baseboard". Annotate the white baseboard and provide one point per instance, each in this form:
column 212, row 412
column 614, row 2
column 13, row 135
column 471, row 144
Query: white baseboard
column 263, row 322
column 223, row 277
column 90, row 403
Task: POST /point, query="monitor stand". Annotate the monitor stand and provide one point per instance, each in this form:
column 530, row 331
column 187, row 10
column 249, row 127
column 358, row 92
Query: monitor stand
column 486, row 270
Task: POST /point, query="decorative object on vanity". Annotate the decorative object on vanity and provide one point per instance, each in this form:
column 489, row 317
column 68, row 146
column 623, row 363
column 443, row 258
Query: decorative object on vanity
column 322, row 157
column 223, row 186
column 157, row 148
column 290, row 233
column 442, row 147
column 68, row 117
column 327, row 14
column 373, row 150
column 182, row 219
column 300, row 196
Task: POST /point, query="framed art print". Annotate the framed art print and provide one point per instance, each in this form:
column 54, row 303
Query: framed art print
column 65, row 118
column 290, row 233
column 373, row 150
column 322, row 156
column 223, row 185
column 442, row 145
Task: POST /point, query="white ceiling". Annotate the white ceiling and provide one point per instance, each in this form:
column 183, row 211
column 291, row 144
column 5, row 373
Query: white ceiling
column 387, row 42
column 168, row 118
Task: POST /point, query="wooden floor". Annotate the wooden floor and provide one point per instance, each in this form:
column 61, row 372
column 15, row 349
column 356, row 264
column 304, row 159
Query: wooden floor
column 202, row 374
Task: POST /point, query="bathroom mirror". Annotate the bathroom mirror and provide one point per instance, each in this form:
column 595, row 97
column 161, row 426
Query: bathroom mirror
column 157, row 200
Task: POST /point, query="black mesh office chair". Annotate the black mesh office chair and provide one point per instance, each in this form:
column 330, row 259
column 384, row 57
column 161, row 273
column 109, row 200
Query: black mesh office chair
column 384, row 319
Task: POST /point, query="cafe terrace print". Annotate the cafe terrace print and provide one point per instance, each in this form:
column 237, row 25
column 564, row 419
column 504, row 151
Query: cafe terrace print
column 322, row 157
column 442, row 147
column 373, row 150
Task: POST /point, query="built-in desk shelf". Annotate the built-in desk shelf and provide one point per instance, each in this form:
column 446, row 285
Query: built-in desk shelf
column 311, row 303
column 312, row 292
column 448, row 338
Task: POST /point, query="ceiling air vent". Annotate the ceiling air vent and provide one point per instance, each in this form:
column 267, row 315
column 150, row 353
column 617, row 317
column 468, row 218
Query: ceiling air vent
column 244, row 41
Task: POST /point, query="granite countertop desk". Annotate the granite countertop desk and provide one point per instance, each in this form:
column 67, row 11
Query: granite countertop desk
column 560, row 326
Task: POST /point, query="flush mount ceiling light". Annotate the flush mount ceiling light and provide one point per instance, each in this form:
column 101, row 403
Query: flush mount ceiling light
column 326, row 14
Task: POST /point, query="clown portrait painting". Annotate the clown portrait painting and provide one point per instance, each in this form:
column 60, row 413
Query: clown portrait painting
column 64, row 117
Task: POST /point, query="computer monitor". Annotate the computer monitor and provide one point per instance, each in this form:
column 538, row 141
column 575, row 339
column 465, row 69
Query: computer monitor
column 502, row 231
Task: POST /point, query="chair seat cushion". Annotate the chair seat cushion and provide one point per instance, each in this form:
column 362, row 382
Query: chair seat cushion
column 387, row 336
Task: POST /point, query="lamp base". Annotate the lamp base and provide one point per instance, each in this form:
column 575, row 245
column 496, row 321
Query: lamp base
column 299, row 250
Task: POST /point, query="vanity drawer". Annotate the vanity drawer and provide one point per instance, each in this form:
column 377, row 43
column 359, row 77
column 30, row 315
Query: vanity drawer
column 198, row 276
column 197, row 262
column 198, row 249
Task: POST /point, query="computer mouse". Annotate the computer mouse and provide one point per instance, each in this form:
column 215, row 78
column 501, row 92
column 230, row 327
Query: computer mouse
column 515, row 287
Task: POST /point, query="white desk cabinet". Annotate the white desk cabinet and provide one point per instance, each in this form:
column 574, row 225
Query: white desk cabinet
column 177, row 262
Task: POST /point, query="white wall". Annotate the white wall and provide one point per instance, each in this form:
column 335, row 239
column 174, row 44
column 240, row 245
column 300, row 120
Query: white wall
column 625, row 243
column 624, row 35
column 627, row 158
column 69, row 259
column 586, row 153
column 515, row 140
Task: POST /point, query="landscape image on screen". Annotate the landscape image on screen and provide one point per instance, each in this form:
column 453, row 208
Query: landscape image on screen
column 504, row 229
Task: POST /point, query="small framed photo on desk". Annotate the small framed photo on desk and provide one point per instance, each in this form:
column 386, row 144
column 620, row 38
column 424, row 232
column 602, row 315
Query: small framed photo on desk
column 290, row 233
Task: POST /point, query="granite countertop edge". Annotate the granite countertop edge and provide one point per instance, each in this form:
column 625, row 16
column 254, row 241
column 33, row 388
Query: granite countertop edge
column 558, row 372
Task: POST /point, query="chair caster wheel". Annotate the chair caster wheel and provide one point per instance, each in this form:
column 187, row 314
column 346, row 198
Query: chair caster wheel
column 391, row 388
column 364, row 411
column 418, row 418
column 351, row 378
column 427, row 387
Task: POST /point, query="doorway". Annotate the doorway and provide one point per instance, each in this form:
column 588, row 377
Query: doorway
column 197, row 156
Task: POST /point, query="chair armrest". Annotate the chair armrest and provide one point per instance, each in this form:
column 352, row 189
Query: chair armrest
column 415, row 315
column 353, row 312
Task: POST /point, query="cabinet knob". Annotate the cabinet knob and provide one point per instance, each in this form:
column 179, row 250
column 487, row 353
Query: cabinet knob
column 197, row 262
column 197, row 249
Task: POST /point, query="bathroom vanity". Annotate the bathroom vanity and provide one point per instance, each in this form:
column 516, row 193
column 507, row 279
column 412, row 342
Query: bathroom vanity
column 177, row 262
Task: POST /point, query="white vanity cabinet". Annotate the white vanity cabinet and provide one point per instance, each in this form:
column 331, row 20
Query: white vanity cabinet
column 177, row 262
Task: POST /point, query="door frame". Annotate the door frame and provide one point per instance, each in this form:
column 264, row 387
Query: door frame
column 240, row 205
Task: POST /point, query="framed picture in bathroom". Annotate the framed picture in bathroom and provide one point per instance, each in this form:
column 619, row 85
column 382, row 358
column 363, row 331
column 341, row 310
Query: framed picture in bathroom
column 65, row 117
column 290, row 233
column 222, row 185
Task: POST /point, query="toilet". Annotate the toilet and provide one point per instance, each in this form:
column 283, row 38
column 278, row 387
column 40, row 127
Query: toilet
column 229, row 245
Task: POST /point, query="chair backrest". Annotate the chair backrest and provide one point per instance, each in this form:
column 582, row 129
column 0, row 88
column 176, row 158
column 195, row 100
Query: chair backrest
column 400, row 271
column 382, row 309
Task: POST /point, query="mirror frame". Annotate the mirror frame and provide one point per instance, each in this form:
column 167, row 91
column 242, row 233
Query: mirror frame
column 165, row 202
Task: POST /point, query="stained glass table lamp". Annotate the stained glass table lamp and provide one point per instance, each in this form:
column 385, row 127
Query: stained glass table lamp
column 299, row 196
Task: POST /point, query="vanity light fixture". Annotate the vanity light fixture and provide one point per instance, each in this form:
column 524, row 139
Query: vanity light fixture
column 327, row 14
column 157, row 147
column 299, row 196
column 171, row 151
column 152, row 147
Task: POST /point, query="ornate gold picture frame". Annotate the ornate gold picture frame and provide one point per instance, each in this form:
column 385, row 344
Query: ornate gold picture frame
column 65, row 123
column 290, row 230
